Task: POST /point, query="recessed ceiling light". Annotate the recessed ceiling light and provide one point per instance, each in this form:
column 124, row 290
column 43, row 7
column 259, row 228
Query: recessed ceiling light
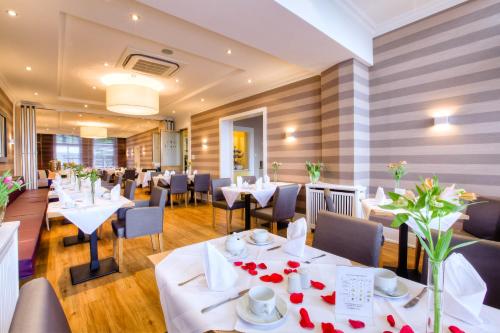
column 35, row 93
column 94, row 87
column 28, row 68
column 11, row 12
column 203, row 100
column 173, row 111
column 106, row 64
column 85, row 106
column 229, row 51
column 176, row 80
column 135, row 17
column 80, row 115
column 249, row 80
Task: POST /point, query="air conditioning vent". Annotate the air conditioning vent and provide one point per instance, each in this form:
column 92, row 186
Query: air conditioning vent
column 146, row 64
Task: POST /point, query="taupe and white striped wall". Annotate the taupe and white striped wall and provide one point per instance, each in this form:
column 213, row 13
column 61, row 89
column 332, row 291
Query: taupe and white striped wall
column 447, row 63
column 145, row 142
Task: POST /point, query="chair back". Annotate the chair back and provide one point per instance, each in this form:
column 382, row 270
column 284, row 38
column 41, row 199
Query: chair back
column 42, row 174
column 118, row 178
column 285, row 200
column 217, row 194
column 249, row 179
column 484, row 219
column 143, row 221
column 483, row 256
column 202, row 182
column 327, row 194
column 129, row 174
column 129, row 191
column 178, row 184
column 158, row 197
column 105, row 176
column 349, row 237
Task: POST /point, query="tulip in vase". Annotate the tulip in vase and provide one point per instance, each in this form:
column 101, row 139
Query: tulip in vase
column 7, row 186
column 436, row 208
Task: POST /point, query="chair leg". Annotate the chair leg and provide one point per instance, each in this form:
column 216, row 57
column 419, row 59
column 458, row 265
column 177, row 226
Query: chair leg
column 120, row 254
column 160, row 240
column 186, row 199
column 114, row 247
column 153, row 242
column 172, row 196
column 213, row 217
column 274, row 227
column 195, row 203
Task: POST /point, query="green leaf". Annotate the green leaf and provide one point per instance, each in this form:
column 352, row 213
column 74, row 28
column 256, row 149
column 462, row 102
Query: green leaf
column 399, row 220
column 458, row 246
column 394, row 196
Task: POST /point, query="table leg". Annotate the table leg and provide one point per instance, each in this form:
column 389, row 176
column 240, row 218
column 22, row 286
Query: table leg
column 402, row 269
column 74, row 240
column 247, row 211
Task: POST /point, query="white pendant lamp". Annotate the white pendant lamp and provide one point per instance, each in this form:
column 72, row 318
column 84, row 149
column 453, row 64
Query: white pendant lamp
column 132, row 94
column 93, row 132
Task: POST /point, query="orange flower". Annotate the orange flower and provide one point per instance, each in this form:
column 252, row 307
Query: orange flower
column 428, row 183
column 410, row 196
column 468, row 196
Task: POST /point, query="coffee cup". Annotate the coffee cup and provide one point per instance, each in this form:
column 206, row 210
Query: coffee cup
column 262, row 300
column 385, row 280
column 260, row 235
column 294, row 283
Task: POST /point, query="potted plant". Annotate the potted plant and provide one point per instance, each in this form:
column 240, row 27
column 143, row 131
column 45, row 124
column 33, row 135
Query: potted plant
column 7, row 186
column 398, row 170
column 275, row 166
column 314, row 170
column 436, row 208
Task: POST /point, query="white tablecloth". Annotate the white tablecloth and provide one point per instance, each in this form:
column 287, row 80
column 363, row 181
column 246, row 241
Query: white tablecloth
column 181, row 305
column 261, row 195
column 167, row 179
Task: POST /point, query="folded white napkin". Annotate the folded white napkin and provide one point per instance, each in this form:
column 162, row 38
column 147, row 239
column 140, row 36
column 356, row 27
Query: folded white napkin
column 266, row 179
column 115, row 193
column 65, row 199
column 258, row 184
column 166, row 173
column 239, row 181
column 172, row 173
column 380, row 196
column 296, row 234
column 195, row 172
column 58, row 179
column 464, row 290
column 219, row 272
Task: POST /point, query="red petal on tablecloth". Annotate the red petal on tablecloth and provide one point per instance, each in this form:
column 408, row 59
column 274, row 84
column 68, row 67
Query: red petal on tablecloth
column 288, row 271
column 330, row 299
column 262, row 266
column 265, row 278
column 454, row 329
column 391, row 321
column 293, row 264
column 238, row 263
column 327, row 328
column 356, row 323
column 317, row 285
column 251, row 265
column 406, row 329
column 296, row 298
column 244, row 267
column 387, row 332
column 252, row 272
column 305, row 321
column 274, row 278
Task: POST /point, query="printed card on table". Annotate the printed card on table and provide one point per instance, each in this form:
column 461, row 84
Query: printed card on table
column 354, row 297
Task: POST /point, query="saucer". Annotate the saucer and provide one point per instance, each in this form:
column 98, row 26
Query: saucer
column 249, row 239
column 263, row 322
column 400, row 292
column 243, row 254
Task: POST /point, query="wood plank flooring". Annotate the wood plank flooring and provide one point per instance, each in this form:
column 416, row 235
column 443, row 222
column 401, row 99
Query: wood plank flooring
column 129, row 301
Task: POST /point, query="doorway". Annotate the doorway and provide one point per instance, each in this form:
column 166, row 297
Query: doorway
column 243, row 144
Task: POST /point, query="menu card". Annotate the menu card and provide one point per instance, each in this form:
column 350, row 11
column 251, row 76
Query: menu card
column 354, row 297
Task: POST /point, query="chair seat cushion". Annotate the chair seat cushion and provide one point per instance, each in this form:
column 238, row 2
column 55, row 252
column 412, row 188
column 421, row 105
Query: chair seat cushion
column 263, row 213
column 222, row 204
column 118, row 228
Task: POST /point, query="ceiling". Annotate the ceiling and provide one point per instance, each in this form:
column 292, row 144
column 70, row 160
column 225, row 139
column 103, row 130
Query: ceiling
column 71, row 44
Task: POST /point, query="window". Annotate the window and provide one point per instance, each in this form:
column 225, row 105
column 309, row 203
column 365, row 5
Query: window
column 68, row 148
column 105, row 153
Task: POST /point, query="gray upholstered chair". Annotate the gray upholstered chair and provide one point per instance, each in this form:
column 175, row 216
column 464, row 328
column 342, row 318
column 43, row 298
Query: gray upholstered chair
column 146, row 218
column 201, row 184
column 118, row 180
column 219, row 201
column 106, row 176
column 178, row 189
column 349, row 237
column 151, row 182
column 283, row 208
column 130, row 186
column 330, row 206
column 130, row 174
column 249, row 179
column 38, row 310
column 484, row 219
column 483, row 256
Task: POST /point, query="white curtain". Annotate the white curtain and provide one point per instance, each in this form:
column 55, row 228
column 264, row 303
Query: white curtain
column 26, row 126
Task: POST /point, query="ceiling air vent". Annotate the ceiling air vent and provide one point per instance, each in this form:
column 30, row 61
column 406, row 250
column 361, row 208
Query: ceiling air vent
column 150, row 65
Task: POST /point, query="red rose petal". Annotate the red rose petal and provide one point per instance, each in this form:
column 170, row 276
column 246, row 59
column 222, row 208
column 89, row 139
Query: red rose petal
column 293, row 264
column 296, row 298
column 288, row 271
column 330, row 299
column 387, row 332
column 276, row 278
column 356, row 324
column 252, row 272
column 317, row 285
column 245, row 267
column 265, row 278
column 454, row 329
column 406, row 329
column 251, row 265
column 305, row 321
column 327, row 328
column 391, row 321
column 262, row 266
column 238, row 263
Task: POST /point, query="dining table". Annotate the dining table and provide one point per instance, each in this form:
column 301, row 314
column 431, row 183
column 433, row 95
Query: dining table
column 88, row 217
column 182, row 305
column 190, row 178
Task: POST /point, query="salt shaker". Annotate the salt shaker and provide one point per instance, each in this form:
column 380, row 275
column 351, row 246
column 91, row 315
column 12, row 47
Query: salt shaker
column 305, row 278
column 294, row 283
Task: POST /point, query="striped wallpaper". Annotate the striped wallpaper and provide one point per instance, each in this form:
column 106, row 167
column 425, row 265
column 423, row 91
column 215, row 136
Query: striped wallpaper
column 6, row 109
column 447, row 63
column 145, row 142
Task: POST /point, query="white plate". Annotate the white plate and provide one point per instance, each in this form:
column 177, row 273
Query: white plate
column 242, row 255
column 250, row 240
column 262, row 322
column 400, row 292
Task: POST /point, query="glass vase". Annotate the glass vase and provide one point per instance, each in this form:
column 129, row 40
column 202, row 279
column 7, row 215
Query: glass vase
column 3, row 208
column 92, row 192
column 435, row 287
column 275, row 176
column 314, row 177
column 79, row 184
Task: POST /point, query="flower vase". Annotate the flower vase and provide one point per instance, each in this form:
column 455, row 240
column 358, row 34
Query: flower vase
column 92, row 192
column 79, row 184
column 275, row 176
column 314, row 177
column 435, row 287
column 3, row 208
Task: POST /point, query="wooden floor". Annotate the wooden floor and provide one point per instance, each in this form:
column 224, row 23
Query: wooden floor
column 128, row 301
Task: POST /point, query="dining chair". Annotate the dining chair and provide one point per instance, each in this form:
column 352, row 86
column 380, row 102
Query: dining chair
column 151, row 182
column 483, row 256
column 145, row 218
column 178, row 188
column 130, row 186
column 249, row 179
column 219, row 201
column 130, row 174
column 43, row 181
column 117, row 180
column 106, row 176
column 201, row 184
column 282, row 209
column 349, row 237
column 330, row 206
column 484, row 219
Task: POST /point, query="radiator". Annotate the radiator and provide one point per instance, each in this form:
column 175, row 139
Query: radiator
column 9, row 274
column 347, row 200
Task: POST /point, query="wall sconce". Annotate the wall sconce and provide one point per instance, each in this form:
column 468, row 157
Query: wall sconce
column 290, row 134
column 441, row 120
column 143, row 150
column 204, row 144
column 12, row 141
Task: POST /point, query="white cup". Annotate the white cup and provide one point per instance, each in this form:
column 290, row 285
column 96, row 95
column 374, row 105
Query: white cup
column 262, row 300
column 305, row 278
column 260, row 235
column 294, row 283
column 385, row 280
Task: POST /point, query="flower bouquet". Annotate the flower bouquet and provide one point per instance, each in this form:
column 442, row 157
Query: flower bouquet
column 314, row 170
column 398, row 170
column 93, row 176
column 80, row 174
column 275, row 166
column 437, row 208
column 7, row 186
